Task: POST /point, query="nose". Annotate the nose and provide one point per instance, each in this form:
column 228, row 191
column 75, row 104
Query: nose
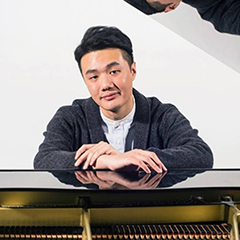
column 106, row 82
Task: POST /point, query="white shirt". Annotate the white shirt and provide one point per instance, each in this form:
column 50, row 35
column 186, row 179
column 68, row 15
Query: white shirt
column 117, row 132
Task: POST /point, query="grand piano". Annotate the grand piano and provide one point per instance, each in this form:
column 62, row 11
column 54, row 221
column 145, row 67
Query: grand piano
column 179, row 204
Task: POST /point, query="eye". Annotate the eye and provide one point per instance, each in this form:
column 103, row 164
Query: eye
column 93, row 77
column 114, row 72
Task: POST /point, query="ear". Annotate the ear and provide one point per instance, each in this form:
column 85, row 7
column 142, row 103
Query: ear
column 170, row 7
column 133, row 70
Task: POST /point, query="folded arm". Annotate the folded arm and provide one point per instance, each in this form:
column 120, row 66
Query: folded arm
column 182, row 147
column 57, row 150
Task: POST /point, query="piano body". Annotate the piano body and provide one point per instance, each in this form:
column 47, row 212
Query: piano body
column 185, row 204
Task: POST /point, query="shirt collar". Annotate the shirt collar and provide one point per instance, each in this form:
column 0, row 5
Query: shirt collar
column 126, row 120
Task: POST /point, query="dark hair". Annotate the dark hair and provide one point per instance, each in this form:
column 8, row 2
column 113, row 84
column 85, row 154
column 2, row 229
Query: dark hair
column 102, row 37
column 160, row 7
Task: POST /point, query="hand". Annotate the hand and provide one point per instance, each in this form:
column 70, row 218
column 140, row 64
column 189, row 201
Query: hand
column 87, row 177
column 114, row 180
column 91, row 152
column 143, row 159
column 122, row 182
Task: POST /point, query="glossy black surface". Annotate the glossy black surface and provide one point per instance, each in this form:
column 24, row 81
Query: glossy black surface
column 66, row 179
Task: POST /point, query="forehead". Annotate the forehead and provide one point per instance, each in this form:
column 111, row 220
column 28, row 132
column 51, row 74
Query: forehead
column 101, row 58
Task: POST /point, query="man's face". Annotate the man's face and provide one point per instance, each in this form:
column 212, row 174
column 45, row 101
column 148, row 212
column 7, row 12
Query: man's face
column 164, row 5
column 109, row 81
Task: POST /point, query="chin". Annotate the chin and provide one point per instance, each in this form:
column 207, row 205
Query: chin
column 113, row 109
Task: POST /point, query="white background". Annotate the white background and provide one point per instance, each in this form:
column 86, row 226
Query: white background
column 38, row 73
column 186, row 22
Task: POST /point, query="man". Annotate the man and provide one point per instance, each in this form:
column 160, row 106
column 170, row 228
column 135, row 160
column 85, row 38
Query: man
column 223, row 14
column 118, row 128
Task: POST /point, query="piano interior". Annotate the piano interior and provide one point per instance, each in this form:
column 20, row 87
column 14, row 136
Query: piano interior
column 83, row 213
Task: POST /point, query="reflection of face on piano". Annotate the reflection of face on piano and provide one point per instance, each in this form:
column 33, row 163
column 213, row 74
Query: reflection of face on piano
column 164, row 5
column 115, row 180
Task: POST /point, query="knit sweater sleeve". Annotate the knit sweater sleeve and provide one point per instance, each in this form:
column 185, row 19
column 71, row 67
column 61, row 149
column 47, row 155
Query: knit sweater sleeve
column 56, row 151
column 142, row 5
column 182, row 147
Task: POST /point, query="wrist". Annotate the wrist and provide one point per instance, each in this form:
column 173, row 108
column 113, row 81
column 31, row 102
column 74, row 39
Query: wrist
column 101, row 162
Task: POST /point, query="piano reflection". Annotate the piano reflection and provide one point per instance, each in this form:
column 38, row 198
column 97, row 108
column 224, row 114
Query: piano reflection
column 181, row 205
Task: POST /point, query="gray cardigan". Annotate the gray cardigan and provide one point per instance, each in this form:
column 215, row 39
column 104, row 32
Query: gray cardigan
column 159, row 127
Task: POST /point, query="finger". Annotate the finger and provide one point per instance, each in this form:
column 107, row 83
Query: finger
column 163, row 167
column 144, row 179
column 94, row 153
column 91, row 176
column 81, row 174
column 155, row 158
column 94, row 177
column 145, row 156
column 82, row 149
column 87, row 162
column 100, row 150
column 97, row 180
column 96, row 150
column 158, row 161
column 80, row 177
column 138, row 160
column 85, row 156
column 78, row 162
column 144, row 167
column 138, row 168
column 152, row 164
column 81, row 159
column 137, row 184
column 163, row 175
column 154, row 181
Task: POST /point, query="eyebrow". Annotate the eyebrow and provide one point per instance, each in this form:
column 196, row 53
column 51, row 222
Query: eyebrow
column 91, row 71
column 110, row 65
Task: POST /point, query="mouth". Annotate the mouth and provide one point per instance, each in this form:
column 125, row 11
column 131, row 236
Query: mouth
column 110, row 96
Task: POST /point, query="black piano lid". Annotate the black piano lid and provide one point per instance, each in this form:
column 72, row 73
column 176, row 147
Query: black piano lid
column 92, row 180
